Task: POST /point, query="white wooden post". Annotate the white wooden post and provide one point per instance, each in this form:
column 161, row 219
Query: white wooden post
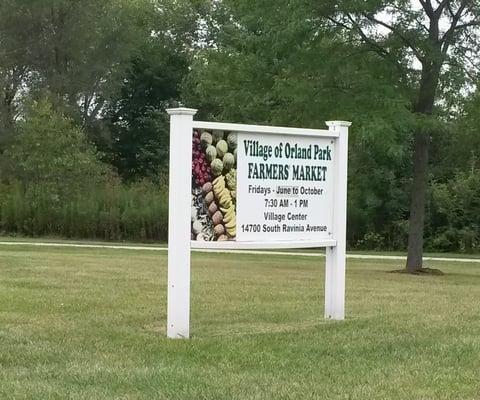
column 335, row 256
column 179, row 219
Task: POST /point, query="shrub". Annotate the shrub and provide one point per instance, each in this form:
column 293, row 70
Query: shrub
column 50, row 155
column 111, row 211
column 53, row 183
column 455, row 221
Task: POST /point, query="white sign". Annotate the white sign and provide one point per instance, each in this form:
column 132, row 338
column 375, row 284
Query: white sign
column 284, row 187
column 235, row 186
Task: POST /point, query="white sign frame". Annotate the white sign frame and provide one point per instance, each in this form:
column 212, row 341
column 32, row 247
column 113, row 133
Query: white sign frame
column 180, row 187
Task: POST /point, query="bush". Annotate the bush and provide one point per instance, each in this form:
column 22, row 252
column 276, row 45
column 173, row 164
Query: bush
column 455, row 221
column 53, row 183
column 111, row 211
column 50, row 155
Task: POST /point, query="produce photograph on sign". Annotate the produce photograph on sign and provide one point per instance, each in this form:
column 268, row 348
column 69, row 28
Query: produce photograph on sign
column 214, row 185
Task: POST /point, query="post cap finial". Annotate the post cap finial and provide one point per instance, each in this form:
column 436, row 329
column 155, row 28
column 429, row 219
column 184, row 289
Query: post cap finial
column 181, row 111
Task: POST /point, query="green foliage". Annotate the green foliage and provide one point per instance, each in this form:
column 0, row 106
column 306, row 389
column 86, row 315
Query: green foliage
column 461, row 147
column 309, row 62
column 455, row 217
column 134, row 130
column 73, row 51
column 51, row 155
column 110, row 211
column 113, row 67
column 54, row 184
column 286, row 68
column 136, row 122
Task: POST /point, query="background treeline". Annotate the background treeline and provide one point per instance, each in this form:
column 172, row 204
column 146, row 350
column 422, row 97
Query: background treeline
column 84, row 136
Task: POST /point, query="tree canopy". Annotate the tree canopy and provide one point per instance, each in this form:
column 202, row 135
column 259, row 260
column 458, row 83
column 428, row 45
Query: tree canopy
column 400, row 70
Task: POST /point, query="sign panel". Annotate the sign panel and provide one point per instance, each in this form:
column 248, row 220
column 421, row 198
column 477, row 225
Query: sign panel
column 253, row 186
column 265, row 188
column 285, row 187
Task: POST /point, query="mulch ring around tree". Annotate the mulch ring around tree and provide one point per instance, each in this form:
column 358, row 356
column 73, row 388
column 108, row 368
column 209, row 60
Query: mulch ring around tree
column 421, row 271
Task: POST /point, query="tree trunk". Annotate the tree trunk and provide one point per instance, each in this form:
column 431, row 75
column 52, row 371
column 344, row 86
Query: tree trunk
column 424, row 106
column 417, row 204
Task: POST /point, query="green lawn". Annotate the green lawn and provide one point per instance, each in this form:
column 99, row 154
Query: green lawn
column 90, row 324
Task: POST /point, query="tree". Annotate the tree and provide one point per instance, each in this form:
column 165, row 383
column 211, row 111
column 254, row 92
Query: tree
column 83, row 50
column 72, row 51
column 421, row 55
column 16, row 30
column 135, row 121
column 442, row 36
column 111, row 65
column 52, row 156
column 271, row 62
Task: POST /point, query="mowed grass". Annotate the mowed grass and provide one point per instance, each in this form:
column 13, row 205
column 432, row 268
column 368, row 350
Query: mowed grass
column 90, row 324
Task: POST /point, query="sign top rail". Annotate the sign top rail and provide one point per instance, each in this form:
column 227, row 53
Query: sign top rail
column 264, row 129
